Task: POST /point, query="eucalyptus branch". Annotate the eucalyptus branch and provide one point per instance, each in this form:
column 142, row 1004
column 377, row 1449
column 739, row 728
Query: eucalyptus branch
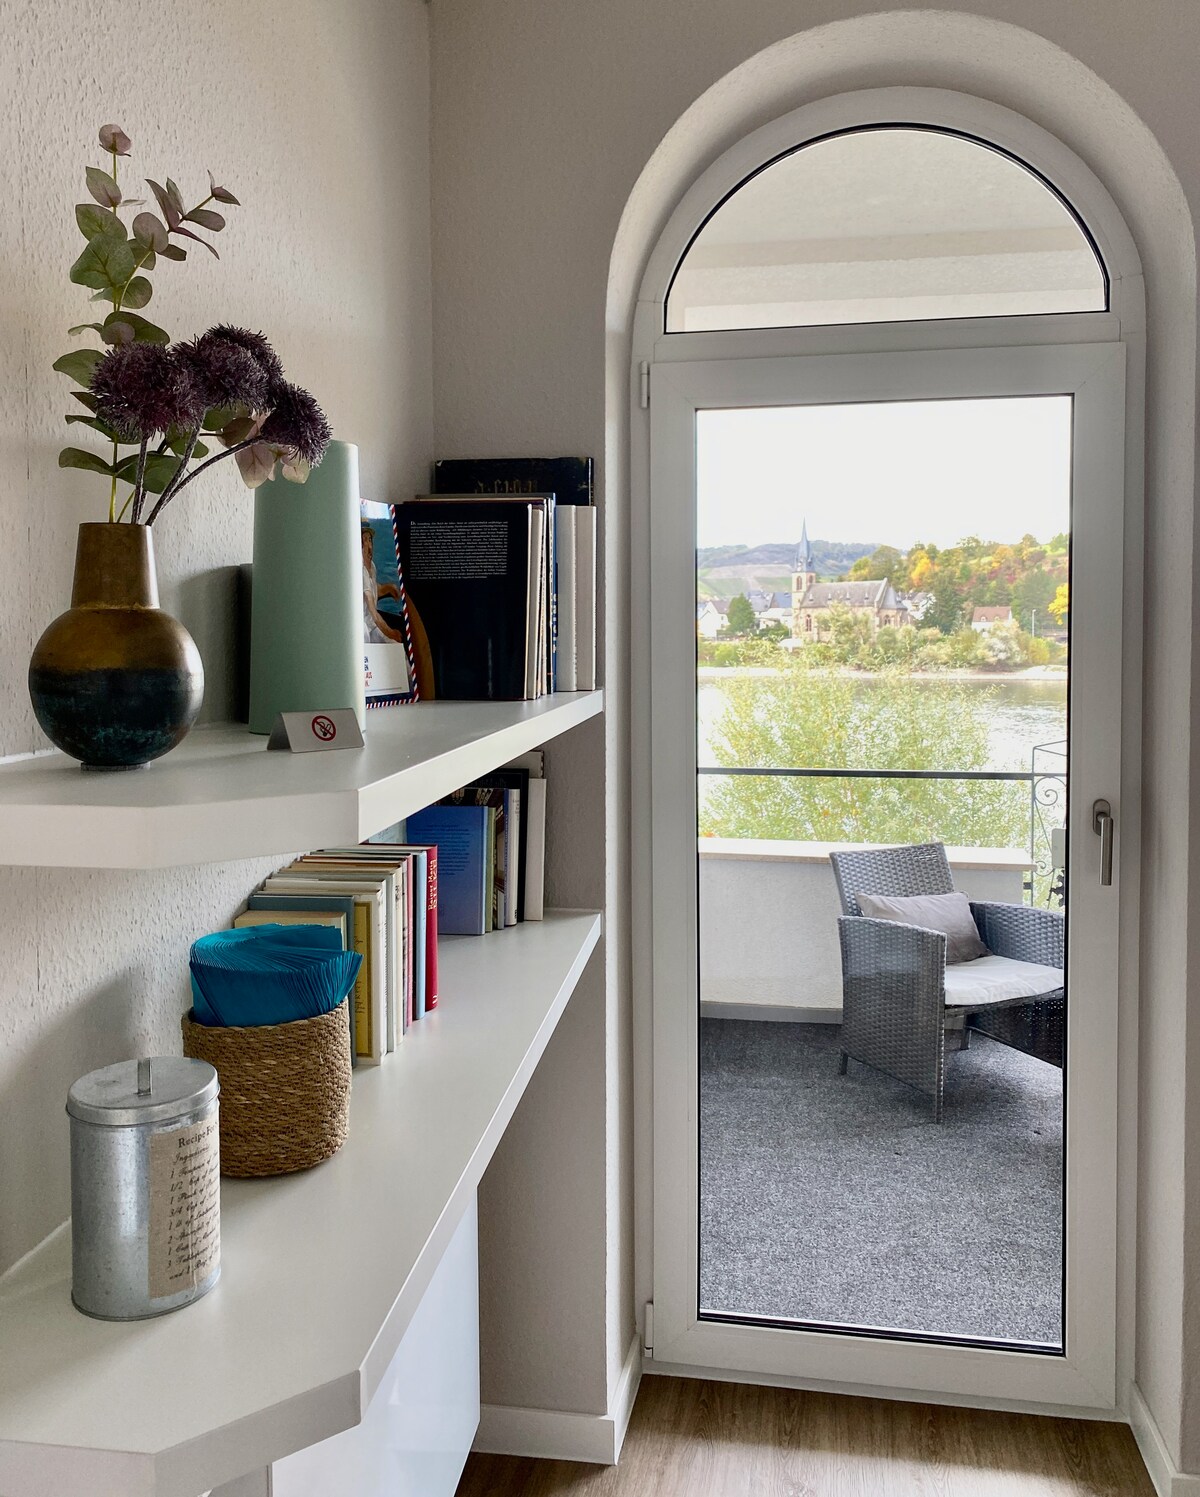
column 165, row 498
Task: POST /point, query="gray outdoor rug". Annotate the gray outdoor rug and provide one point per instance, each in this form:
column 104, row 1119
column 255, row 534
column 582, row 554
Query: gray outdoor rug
column 837, row 1198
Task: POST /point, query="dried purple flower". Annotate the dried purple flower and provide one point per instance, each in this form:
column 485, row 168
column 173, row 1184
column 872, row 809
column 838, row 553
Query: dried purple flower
column 143, row 389
column 257, row 347
column 298, row 423
column 225, row 373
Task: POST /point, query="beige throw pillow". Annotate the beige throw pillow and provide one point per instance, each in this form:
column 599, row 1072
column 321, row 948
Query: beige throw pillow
column 949, row 913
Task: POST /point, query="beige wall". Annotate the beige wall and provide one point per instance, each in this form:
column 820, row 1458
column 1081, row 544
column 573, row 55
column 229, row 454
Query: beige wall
column 316, row 116
column 553, row 120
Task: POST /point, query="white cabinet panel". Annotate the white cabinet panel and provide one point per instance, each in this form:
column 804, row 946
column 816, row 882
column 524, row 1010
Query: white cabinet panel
column 418, row 1429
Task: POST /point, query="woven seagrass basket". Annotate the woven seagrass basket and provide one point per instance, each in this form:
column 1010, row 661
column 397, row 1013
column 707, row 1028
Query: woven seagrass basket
column 285, row 1090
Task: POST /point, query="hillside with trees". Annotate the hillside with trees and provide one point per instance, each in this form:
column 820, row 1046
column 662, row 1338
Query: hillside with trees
column 726, row 571
column 1026, row 576
column 943, row 587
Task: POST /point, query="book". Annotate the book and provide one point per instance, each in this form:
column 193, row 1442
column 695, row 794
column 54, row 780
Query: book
column 470, row 571
column 565, row 529
column 585, row 599
column 516, row 782
column 388, row 657
column 534, row 818
column 499, row 799
column 302, row 906
column 535, row 608
column 395, row 835
column 461, row 836
column 390, row 876
column 417, row 907
column 250, row 918
column 370, row 935
column 570, row 479
column 544, row 555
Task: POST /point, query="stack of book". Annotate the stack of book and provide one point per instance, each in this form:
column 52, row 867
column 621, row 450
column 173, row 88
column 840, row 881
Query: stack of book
column 491, row 839
column 499, row 567
column 383, row 901
column 475, row 862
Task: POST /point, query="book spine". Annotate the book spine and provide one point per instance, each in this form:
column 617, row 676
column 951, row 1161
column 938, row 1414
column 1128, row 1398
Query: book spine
column 431, row 932
column 552, row 582
column 585, row 598
column 362, row 983
column 416, row 918
column 565, row 530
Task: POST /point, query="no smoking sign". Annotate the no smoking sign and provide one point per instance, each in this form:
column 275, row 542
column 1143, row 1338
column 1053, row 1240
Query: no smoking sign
column 308, row 732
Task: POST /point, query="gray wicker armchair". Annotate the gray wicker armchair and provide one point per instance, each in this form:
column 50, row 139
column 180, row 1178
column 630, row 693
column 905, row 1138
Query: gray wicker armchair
column 899, row 997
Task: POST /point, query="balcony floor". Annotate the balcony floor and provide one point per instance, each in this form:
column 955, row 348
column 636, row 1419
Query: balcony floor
column 837, row 1198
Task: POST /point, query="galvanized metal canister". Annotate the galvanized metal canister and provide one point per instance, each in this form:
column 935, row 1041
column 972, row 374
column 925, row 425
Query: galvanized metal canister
column 145, row 1187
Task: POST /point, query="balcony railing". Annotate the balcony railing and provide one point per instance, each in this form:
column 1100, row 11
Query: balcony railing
column 1046, row 779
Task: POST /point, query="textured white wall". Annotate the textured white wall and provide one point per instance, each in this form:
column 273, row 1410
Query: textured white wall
column 545, row 117
column 317, row 116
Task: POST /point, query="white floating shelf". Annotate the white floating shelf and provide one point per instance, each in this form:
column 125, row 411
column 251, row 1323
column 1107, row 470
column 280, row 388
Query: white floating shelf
column 221, row 795
column 322, row 1271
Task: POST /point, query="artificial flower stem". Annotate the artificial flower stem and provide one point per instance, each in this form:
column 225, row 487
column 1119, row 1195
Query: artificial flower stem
column 176, row 479
column 165, row 498
column 112, row 489
column 139, row 478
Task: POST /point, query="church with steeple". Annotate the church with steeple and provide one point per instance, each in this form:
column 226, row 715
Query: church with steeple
column 812, row 600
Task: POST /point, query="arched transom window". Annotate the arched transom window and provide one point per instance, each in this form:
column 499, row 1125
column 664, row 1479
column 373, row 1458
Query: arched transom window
column 886, row 224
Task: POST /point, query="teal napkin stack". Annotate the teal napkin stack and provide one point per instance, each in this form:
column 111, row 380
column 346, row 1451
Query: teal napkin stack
column 270, row 974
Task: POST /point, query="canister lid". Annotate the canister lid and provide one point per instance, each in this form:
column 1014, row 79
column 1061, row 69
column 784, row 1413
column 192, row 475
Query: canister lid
column 143, row 1091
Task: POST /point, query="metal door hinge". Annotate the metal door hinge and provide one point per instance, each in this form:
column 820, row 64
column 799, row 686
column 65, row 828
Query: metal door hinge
column 644, row 385
column 648, row 1332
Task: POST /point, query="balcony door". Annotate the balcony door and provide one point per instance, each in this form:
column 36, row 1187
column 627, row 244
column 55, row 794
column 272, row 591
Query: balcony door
column 885, row 664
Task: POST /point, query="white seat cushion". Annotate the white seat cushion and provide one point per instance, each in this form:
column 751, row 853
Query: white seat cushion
column 998, row 979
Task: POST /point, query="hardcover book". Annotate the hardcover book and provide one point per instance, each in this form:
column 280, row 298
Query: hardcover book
column 569, row 479
column 461, row 835
column 467, row 566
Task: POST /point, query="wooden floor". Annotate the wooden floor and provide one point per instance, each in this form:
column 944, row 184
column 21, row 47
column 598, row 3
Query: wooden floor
column 702, row 1439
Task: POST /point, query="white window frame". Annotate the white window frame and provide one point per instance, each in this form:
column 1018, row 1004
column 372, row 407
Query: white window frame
column 1100, row 1384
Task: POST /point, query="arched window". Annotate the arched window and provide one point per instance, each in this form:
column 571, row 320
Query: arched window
column 886, row 224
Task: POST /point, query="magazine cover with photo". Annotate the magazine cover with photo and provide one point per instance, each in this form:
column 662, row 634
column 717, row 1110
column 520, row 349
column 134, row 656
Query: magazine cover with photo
column 387, row 634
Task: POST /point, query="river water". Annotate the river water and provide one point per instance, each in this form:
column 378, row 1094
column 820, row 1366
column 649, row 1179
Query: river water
column 1022, row 713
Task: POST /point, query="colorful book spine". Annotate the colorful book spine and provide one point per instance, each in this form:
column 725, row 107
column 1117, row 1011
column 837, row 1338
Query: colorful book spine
column 431, row 931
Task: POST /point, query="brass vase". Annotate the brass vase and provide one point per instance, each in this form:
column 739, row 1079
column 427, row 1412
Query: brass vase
column 115, row 681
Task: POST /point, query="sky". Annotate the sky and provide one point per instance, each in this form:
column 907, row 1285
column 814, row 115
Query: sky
column 891, row 474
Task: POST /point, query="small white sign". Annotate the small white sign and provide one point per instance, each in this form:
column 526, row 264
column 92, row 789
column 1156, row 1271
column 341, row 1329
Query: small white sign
column 309, row 732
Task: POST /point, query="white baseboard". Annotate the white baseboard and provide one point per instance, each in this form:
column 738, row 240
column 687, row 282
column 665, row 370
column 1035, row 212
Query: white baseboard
column 785, row 1013
column 1168, row 1480
column 551, row 1434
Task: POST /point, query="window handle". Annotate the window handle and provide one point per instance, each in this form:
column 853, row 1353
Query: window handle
column 1103, row 825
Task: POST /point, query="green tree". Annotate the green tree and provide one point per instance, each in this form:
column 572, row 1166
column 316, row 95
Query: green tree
column 884, row 563
column 1034, row 591
column 807, row 718
column 740, row 620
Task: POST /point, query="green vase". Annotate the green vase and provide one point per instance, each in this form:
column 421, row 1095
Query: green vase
column 306, row 630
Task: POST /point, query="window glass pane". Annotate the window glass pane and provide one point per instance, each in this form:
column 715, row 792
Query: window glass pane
column 886, row 225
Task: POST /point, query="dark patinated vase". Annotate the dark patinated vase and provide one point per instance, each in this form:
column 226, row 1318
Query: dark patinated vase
column 115, row 681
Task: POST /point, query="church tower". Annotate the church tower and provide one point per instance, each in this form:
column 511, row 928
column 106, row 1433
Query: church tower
column 805, row 569
column 804, row 575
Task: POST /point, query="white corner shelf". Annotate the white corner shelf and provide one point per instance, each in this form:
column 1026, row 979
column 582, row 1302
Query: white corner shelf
column 321, row 1272
column 221, row 795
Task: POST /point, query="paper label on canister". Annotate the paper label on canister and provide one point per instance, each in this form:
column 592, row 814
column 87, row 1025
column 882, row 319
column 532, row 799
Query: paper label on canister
column 185, row 1207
